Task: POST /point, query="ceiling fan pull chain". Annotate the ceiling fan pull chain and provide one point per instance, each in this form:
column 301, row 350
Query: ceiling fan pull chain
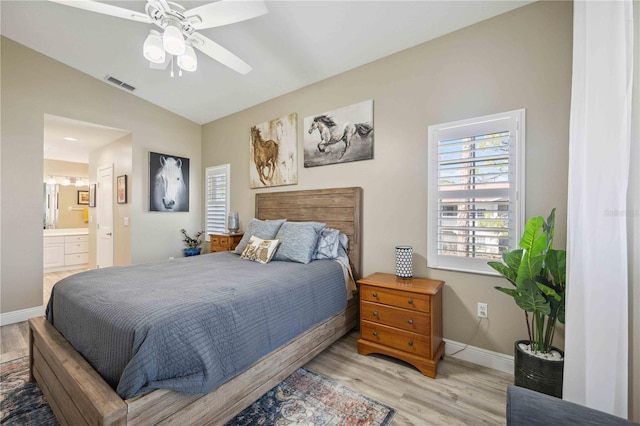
column 171, row 66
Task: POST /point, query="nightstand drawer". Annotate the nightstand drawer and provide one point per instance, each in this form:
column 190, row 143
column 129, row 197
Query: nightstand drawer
column 406, row 341
column 405, row 319
column 401, row 299
column 224, row 242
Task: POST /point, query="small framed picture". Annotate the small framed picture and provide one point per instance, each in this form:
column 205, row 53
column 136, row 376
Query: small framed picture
column 121, row 186
column 83, row 197
column 92, row 195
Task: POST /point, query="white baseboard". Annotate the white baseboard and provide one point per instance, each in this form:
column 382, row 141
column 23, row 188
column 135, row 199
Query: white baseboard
column 484, row 357
column 22, row 315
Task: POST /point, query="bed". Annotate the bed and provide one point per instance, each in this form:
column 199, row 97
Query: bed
column 79, row 395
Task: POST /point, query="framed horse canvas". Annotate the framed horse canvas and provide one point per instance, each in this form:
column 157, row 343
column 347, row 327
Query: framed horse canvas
column 273, row 150
column 339, row 136
column 168, row 183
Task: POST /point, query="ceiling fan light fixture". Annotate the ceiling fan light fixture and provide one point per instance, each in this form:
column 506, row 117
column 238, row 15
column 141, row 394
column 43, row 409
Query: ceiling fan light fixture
column 172, row 39
column 153, row 48
column 188, row 61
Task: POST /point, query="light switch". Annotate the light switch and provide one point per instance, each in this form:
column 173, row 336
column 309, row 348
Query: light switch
column 126, row 221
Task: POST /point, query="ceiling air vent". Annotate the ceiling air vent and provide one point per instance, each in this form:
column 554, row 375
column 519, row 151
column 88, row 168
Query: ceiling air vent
column 119, row 83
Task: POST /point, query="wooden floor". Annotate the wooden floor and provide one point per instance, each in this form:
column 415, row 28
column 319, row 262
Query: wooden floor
column 461, row 394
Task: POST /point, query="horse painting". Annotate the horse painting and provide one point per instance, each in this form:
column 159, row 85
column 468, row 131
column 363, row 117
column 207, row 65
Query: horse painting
column 265, row 155
column 169, row 189
column 341, row 135
column 331, row 133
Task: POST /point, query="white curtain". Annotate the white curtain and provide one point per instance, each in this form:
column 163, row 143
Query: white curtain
column 596, row 342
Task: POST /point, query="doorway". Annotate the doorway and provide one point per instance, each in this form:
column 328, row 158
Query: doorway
column 70, row 146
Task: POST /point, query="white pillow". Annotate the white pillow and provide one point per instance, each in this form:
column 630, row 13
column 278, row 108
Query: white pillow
column 259, row 250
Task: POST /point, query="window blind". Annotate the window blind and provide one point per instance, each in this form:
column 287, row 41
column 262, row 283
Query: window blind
column 474, row 200
column 473, row 196
column 217, row 198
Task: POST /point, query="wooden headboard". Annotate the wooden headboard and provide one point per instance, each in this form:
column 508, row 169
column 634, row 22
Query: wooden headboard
column 339, row 208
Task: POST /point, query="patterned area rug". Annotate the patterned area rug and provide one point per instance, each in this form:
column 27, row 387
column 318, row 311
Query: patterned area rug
column 304, row 398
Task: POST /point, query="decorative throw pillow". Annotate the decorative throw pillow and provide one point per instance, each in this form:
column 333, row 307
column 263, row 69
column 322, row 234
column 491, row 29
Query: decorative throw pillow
column 264, row 229
column 259, row 250
column 343, row 247
column 327, row 246
column 297, row 241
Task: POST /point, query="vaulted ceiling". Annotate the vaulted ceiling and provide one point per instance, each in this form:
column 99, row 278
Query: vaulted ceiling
column 296, row 44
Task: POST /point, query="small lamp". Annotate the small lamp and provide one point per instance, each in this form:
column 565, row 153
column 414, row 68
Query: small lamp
column 234, row 222
column 404, row 261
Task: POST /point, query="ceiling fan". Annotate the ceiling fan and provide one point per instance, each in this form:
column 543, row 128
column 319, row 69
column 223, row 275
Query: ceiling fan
column 180, row 27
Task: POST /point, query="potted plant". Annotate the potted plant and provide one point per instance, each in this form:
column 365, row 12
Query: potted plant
column 193, row 244
column 538, row 274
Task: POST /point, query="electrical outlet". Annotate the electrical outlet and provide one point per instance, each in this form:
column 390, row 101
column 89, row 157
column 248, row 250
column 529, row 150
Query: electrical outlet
column 483, row 310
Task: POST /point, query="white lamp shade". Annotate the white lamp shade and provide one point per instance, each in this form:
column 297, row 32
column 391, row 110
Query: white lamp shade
column 188, row 61
column 66, row 182
column 172, row 39
column 153, row 49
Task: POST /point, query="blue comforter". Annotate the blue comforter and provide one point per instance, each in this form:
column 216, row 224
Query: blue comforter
column 190, row 324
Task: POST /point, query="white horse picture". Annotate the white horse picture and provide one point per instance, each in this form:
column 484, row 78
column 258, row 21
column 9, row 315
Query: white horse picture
column 168, row 183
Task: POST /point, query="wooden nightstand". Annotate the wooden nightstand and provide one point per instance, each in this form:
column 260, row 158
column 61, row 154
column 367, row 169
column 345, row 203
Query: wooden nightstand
column 224, row 242
column 402, row 318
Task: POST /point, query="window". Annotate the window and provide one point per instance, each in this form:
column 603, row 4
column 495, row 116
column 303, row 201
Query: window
column 217, row 199
column 475, row 191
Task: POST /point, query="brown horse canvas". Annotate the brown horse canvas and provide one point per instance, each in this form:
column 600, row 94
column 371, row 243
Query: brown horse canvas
column 274, row 153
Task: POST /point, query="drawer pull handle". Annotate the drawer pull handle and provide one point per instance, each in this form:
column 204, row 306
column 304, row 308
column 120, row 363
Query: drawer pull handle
column 375, row 314
column 375, row 294
column 410, row 301
column 375, row 333
column 410, row 321
column 410, row 343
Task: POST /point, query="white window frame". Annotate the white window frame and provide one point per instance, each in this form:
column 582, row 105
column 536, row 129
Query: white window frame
column 216, row 170
column 514, row 122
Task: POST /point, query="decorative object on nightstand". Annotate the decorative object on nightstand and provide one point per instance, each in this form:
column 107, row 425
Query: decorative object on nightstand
column 193, row 244
column 404, row 261
column 224, row 242
column 402, row 318
column 234, row 222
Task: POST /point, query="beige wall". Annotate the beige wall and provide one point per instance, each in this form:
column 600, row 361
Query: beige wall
column 521, row 59
column 119, row 153
column 32, row 85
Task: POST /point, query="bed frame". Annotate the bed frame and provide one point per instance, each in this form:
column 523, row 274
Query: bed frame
column 78, row 395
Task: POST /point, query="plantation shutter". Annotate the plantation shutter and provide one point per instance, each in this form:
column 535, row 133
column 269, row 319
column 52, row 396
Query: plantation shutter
column 474, row 213
column 217, row 198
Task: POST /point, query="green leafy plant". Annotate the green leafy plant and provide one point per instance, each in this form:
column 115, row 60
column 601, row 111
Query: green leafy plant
column 194, row 242
column 538, row 272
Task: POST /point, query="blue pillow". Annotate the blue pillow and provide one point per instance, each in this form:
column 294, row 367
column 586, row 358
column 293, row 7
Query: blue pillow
column 264, row 229
column 297, row 241
column 327, row 246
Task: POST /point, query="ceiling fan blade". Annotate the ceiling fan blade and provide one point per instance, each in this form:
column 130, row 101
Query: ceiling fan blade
column 106, row 9
column 219, row 53
column 224, row 12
